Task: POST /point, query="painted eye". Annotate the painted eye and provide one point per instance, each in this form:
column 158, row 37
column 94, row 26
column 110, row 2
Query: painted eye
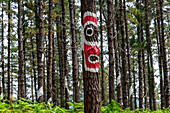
column 93, row 58
column 89, row 31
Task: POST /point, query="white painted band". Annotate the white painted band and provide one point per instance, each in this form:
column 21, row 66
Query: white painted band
column 50, row 100
column 95, row 60
column 118, row 80
column 89, row 14
column 40, row 92
column 92, row 32
column 90, row 22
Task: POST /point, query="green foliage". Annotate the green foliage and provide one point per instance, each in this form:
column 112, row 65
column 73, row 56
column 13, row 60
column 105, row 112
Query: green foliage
column 27, row 106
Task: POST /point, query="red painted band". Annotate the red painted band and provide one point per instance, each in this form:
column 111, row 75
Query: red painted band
column 90, row 18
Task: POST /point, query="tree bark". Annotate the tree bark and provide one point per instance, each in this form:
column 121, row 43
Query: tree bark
column 9, row 45
column 92, row 101
column 50, row 55
column 124, row 62
column 40, row 52
column 134, row 82
column 21, row 55
column 165, row 70
column 76, row 94
column 110, row 49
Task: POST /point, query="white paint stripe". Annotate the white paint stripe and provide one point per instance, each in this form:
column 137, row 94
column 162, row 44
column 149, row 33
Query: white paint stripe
column 130, row 91
column 118, row 80
column 90, row 69
column 89, row 14
column 90, row 43
column 50, row 100
column 40, row 92
column 90, row 22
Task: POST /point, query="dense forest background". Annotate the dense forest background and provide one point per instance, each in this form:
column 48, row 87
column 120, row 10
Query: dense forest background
column 41, row 52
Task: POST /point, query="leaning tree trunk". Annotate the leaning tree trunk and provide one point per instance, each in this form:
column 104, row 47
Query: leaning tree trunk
column 9, row 44
column 21, row 55
column 140, row 60
column 123, row 55
column 2, row 57
column 165, row 70
column 91, row 74
column 110, row 49
column 40, row 52
column 50, row 55
column 101, row 55
column 76, row 93
column 150, row 54
column 129, row 62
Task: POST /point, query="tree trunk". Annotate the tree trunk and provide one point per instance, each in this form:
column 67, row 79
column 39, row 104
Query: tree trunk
column 101, row 55
column 24, row 52
column 9, row 44
column 40, row 52
column 2, row 58
column 110, row 49
column 140, row 68
column 21, row 55
column 50, row 55
column 91, row 76
column 134, row 82
column 129, row 62
column 117, row 61
column 160, row 54
column 150, row 54
column 165, row 70
column 76, row 94
column 123, row 55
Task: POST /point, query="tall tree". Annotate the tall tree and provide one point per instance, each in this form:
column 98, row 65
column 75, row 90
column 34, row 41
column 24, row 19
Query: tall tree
column 110, row 49
column 76, row 92
column 101, row 55
column 2, row 57
column 165, row 70
column 128, row 58
column 9, row 45
column 149, row 52
column 21, row 55
column 40, row 52
column 50, row 54
column 124, row 62
column 117, row 61
column 140, row 59
column 91, row 76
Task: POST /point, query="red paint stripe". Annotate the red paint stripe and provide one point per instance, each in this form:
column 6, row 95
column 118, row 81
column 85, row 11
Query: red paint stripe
column 90, row 18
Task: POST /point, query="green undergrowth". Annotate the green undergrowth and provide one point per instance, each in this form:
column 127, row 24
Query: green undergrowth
column 27, row 106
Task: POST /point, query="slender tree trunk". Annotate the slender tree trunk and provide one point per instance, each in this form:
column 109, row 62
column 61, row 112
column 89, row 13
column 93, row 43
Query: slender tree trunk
column 76, row 94
column 134, row 82
column 117, row 61
column 54, row 77
column 140, row 68
column 129, row 62
column 50, row 55
column 91, row 76
column 123, row 55
column 101, row 55
column 2, row 58
column 110, row 49
column 9, row 44
column 165, row 70
column 24, row 52
column 160, row 54
column 21, row 54
column 150, row 54
column 40, row 52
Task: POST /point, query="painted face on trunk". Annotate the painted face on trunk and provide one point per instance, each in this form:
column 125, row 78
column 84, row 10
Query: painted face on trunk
column 91, row 50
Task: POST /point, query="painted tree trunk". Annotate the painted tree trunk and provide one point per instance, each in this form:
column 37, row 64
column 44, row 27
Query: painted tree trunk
column 91, row 76
column 76, row 92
